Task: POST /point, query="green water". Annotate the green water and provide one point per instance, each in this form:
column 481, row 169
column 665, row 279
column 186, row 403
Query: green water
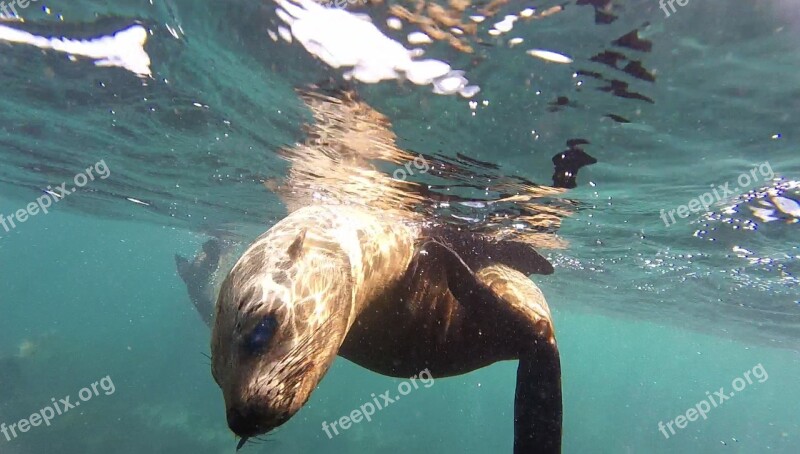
column 101, row 298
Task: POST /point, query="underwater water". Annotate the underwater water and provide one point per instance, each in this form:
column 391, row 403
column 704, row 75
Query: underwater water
column 653, row 314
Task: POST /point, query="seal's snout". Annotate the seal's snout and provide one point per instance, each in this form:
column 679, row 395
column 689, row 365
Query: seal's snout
column 243, row 422
column 249, row 421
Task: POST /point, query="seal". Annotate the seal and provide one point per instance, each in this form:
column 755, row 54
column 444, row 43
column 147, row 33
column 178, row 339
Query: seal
column 358, row 269
column 330, row 280
column 198, row 277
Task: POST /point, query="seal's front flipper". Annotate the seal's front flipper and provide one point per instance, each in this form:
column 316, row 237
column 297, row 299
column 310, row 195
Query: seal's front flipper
column 537, row 401
column 513, row 303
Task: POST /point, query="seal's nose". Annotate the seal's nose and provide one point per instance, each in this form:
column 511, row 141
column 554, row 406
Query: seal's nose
column 243, row 423
column 251, row 420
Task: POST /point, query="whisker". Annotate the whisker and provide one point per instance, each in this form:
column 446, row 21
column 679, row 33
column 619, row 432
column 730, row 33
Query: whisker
column 241, row 443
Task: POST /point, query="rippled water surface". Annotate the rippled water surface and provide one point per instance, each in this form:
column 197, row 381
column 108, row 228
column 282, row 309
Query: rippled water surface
column 184, row 111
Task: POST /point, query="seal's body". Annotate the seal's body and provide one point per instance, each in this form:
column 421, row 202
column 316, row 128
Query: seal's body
column 390, row 295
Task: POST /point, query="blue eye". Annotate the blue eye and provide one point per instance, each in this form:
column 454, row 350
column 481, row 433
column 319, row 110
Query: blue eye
column 259, row 338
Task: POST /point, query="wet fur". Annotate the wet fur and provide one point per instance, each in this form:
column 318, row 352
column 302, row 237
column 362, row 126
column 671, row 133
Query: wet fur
column 375, row 289
column 315, row 288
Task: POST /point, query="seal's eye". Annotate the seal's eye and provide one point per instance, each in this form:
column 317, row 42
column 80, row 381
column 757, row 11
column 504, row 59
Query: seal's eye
column 258, row 339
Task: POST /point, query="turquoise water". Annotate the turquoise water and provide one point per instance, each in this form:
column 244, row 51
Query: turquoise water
column 649, row 317
column 100, row 298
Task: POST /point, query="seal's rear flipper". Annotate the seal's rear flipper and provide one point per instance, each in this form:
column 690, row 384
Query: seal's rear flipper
column 183, row 266
column 198, row 276
column 213, row 250
column 196, row 286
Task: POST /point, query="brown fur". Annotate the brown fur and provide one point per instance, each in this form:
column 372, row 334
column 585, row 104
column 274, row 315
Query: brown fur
column 347, row 272
column 315, row 294
column 422, row 325
column 346, row 285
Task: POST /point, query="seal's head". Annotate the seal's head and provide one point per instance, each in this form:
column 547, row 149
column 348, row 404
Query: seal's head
column 282, row 314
